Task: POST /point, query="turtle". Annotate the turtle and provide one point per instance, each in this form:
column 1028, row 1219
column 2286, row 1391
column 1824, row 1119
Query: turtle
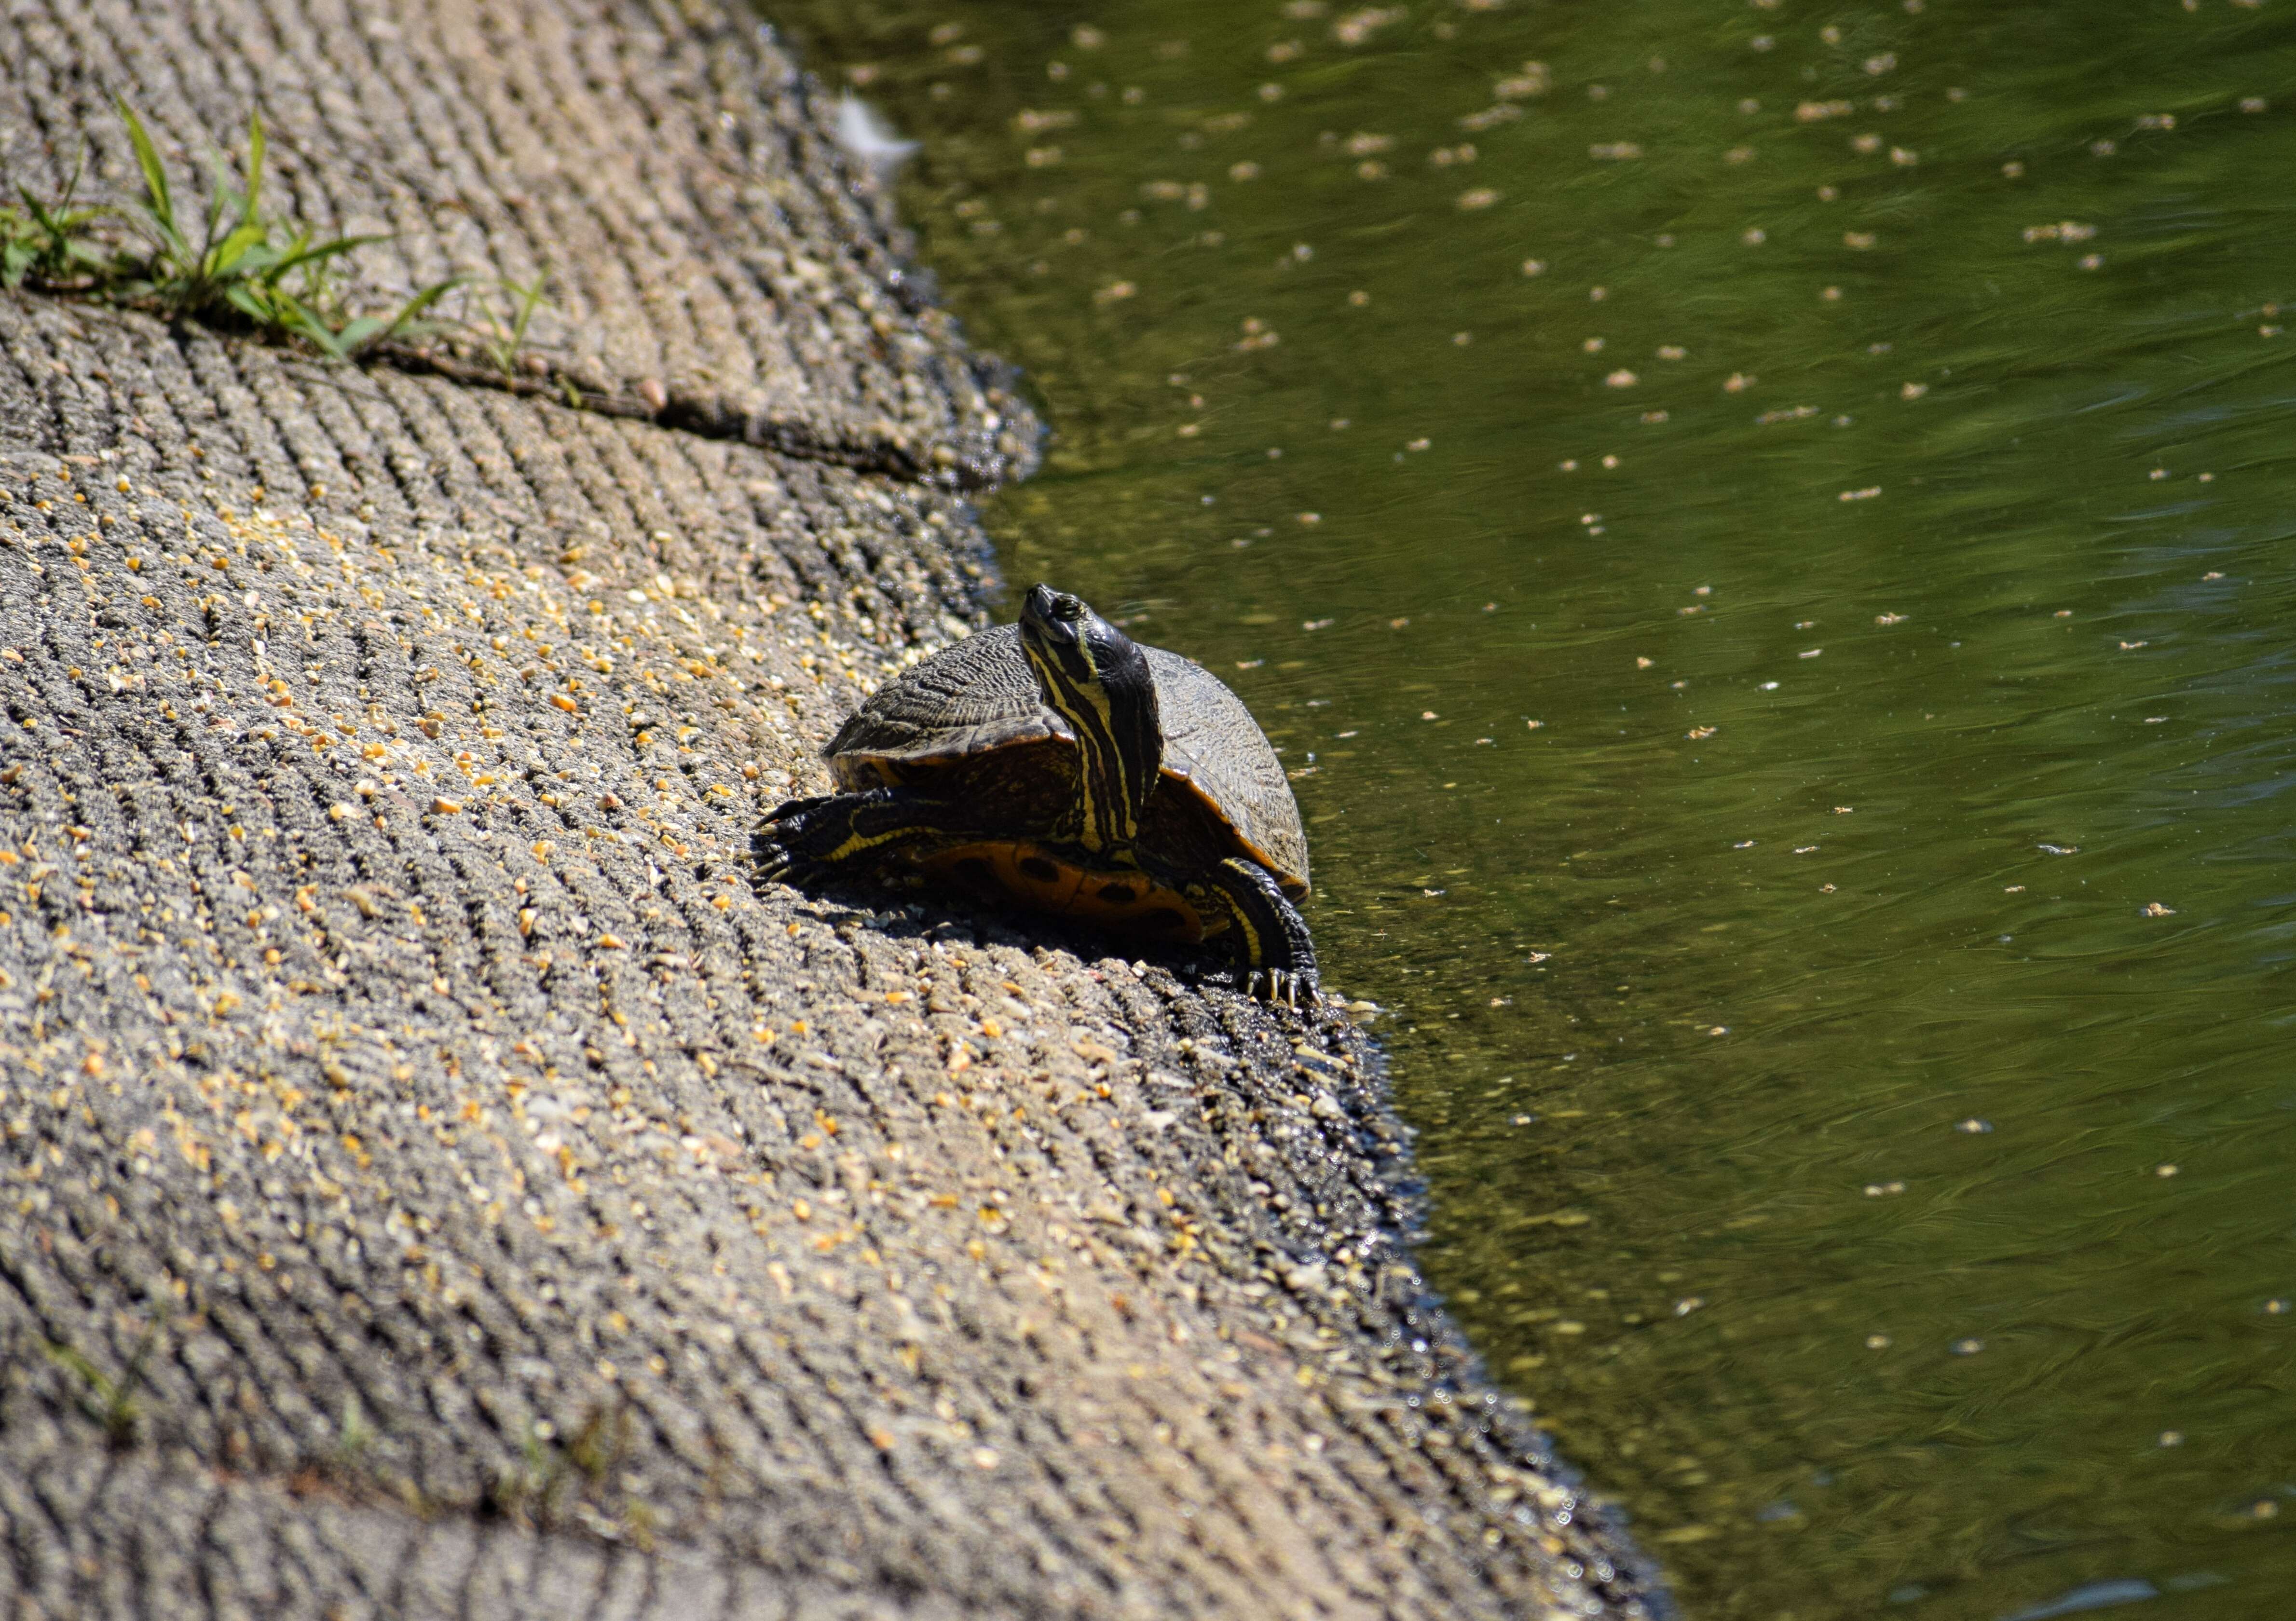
column 1057, row 762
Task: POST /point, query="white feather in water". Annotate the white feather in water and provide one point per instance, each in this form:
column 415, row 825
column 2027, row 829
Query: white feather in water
column 862, row 131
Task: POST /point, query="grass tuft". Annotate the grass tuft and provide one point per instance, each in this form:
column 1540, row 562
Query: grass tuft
column 49, row 243
column 229, row 264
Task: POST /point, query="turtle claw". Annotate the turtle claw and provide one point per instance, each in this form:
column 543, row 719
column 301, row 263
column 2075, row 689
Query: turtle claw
column 769, row 858
column 1284, row 987
column 773, row 860
column 788, row 845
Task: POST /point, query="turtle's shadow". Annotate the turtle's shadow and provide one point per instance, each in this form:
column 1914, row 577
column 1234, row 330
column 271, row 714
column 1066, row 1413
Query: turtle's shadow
column 937, row 914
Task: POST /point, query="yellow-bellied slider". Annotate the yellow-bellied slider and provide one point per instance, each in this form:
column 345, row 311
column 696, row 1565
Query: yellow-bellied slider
column 1060, row 764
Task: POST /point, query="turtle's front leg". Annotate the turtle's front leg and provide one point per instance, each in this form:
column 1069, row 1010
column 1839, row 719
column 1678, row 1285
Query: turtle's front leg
column 848, row 835
column 1271, row 937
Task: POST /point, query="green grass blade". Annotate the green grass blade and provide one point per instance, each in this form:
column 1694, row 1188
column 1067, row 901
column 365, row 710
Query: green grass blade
column 297, row 256
column 255, row 149
column 529, row 299
column 259, row 264
column 235, row 251
column 407, row 318
column 221, row 199
column 279, row 257
column 355, row 337
column 298, row 318
column 423, row 300
column 50, row 225
column 65, row 224
column 94, row 256
column 156, row 199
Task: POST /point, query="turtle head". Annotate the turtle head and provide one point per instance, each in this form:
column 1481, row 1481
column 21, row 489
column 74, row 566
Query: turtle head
column 1098, row 680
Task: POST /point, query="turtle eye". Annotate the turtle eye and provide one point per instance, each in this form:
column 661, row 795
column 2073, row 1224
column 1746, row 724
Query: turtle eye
column 1067, row 607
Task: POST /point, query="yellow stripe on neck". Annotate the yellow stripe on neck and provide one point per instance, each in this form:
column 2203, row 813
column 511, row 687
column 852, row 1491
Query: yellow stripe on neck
column 1106, row 817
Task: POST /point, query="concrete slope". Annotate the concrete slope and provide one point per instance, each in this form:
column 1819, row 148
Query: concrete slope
column 710, row 258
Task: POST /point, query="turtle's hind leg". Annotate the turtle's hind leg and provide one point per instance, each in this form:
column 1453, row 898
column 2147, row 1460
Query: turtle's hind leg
column 805, row 841
column 1272, row 942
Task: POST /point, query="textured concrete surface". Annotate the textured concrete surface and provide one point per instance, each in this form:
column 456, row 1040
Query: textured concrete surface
column 434, row 1182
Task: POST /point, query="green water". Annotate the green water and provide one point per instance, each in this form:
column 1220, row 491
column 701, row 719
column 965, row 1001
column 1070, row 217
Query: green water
column 1793, row 699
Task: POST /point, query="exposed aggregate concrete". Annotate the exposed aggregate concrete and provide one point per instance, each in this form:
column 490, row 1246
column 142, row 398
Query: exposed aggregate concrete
column 434, row 1182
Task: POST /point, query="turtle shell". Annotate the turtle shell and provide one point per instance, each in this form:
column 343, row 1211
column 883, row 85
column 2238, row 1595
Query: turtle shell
column 969, row 721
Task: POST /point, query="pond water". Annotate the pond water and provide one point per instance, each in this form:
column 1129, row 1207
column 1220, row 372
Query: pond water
column 1765, row 531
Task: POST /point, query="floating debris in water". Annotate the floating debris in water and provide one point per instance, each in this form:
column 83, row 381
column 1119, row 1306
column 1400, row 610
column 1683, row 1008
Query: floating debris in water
column 862, row 131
